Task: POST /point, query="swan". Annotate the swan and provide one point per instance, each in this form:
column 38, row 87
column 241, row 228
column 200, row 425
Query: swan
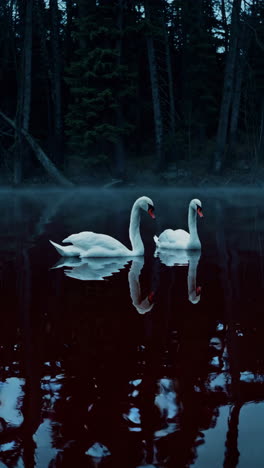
column 91, row 244
column 181, row 239
column 183, row 258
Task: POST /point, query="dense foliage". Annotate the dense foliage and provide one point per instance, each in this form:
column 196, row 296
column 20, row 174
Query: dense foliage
column 111, row 88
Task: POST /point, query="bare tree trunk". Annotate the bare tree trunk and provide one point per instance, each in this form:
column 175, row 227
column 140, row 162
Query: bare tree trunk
column 119, row 144
column 42, row 34
column 56, row 84
column 24, row 93
column 261, row 133
column 238, row 79
column 155, row 91
column 53, row 73
column 225, row 28
column 40, row 14
column 8, row 53
column 17, row 170
column 27, row 67
column 69, row 24
column 170, row 79
column 236, row 103
column 227, row 89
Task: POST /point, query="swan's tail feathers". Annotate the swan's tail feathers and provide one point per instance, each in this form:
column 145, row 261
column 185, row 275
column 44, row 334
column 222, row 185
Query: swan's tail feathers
column 58, row 247
column 68, row 251
column 156, row 240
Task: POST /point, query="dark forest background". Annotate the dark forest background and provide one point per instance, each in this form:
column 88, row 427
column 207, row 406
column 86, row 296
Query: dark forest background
column 131, row 90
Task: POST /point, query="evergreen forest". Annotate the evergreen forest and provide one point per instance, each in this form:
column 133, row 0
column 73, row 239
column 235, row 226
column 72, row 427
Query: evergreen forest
column 126, row 90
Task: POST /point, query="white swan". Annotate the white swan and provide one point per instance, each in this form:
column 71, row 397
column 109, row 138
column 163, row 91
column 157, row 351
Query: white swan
column 182, row 258
column 90, row 244
column 180, row 239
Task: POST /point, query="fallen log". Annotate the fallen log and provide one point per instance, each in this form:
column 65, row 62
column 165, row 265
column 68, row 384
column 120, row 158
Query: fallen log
column 48, row 165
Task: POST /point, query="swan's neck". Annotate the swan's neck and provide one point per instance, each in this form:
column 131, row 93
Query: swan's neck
column 134, row 232
column 192, row 223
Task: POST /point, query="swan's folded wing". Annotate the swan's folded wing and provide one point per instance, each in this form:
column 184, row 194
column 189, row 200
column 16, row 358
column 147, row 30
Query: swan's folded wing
column 167, row 236
column 84, row 240
column 87, row 240
column 179, row 235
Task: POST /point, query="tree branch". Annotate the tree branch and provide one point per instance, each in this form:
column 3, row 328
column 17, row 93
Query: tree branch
column 39, row 153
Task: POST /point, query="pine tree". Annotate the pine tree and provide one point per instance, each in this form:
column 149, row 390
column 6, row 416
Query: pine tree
column 99, row 82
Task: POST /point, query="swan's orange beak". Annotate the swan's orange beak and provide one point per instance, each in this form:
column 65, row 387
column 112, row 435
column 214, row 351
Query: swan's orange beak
column 199, row 211
column 198, row 290
column 151, row 212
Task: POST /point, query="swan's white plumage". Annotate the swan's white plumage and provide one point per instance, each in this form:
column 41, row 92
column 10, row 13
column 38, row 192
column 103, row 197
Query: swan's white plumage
column 66, row 251
column 169, row 238
column 91, row 244
column 87, row 239
column 180, row 239
column 97, row 245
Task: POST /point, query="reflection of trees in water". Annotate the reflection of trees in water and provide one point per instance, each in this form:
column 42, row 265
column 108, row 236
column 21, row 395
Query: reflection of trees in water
column 104, row 419
column 236, row 336
column 228, row 263
column 24, row 354
column 176, row 351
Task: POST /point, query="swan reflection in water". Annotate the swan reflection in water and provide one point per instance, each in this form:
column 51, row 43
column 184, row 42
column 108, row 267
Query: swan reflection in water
column 182, row 258
column 92, row 269
column 145, row 305
column 97, row 269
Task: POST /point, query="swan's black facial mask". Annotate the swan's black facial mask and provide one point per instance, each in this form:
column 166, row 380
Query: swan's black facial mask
column 151, row 211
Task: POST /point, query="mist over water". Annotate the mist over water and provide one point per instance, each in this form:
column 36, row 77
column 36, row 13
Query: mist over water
column 114, row 362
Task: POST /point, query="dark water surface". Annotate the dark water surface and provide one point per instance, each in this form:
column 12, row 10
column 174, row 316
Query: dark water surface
column 120, row 363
